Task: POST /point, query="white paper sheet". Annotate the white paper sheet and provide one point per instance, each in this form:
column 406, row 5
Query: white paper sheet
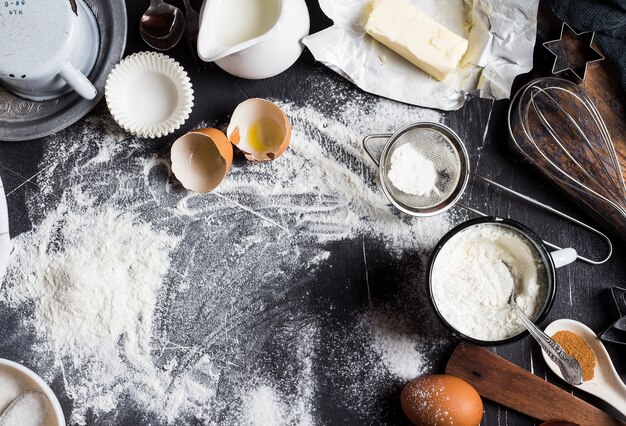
column 5, row 239
column 501, row 36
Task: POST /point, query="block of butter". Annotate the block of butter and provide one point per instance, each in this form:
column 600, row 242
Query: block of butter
column 427, row 44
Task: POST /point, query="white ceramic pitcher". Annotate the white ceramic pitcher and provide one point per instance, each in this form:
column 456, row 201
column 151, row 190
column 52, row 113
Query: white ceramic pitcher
column 253, row 39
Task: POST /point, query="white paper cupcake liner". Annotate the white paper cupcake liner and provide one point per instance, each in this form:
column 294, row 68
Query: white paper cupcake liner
column 149, row 94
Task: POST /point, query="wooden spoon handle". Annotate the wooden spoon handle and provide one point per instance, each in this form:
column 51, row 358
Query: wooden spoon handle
column 505, row 383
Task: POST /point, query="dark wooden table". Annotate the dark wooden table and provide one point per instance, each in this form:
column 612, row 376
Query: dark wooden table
column 583, row 290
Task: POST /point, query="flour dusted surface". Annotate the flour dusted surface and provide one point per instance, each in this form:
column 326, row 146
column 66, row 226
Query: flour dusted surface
column 140, row 297
column 102, row 280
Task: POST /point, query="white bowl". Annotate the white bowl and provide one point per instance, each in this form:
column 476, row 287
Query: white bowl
column 34, row 382
column 149, row 94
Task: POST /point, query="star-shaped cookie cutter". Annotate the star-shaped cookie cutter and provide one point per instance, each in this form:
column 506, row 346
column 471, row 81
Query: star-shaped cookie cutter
column 616, row 333
column 573, row 53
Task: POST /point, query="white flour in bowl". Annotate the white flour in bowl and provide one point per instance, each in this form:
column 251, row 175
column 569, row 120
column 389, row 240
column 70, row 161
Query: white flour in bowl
column 473, row 277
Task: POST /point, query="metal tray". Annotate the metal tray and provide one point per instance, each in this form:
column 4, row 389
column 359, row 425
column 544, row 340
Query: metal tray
column 22, row 119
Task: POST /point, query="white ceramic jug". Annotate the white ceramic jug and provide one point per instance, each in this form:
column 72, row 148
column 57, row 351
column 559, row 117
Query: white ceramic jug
column 253, row 39
column 47, row 48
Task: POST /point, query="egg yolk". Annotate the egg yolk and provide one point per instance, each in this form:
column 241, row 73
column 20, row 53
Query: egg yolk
column 264, row 135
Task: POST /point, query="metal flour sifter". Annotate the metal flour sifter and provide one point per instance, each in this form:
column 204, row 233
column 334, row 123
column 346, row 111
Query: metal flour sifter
column 443, row 147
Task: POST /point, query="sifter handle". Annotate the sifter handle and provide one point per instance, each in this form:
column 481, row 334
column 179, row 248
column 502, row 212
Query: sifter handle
column 556, row 212
column 368, row 149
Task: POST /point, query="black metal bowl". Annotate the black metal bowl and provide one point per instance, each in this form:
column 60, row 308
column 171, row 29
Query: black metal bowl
column 533, row 239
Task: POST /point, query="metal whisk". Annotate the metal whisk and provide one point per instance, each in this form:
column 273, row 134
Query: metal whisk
column 556, row 126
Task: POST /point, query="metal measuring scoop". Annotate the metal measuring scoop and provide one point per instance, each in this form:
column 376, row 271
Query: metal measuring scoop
column 162, row 25
column 570, row 368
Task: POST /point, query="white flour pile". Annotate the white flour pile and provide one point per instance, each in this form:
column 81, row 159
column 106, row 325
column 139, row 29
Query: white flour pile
column 474, row 275
column 264, row 407
column 154, row 305
column 395, row 344
column 410, row 172
column 94, row 280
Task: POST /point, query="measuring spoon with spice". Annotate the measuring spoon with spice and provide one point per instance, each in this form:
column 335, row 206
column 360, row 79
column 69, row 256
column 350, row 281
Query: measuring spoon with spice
column 599, row 375
column 570, row 367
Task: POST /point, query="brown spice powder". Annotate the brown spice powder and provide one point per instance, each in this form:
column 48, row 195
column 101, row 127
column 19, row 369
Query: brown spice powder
column 576, row 347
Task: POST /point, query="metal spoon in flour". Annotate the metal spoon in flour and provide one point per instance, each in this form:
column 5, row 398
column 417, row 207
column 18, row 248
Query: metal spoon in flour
column 28, row 409
column 570, row 368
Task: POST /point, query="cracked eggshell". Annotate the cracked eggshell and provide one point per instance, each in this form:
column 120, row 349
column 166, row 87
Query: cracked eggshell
column 260, row 129
column 201, row 159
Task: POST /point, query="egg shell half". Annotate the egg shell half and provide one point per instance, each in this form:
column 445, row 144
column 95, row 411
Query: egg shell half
column 441, row 400
column 201, row 159
column 245, row 115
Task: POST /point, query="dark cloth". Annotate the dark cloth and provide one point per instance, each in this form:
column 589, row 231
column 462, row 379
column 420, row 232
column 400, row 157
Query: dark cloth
column 607, row 18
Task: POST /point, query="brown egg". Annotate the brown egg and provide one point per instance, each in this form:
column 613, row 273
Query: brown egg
column 441, row 400
column 201, row 159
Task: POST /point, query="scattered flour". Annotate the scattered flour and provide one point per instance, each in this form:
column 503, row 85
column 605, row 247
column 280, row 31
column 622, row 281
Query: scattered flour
column 263, row 407
column 397, row 347
column 410, row 172
column 204, row 308
column 95, row 276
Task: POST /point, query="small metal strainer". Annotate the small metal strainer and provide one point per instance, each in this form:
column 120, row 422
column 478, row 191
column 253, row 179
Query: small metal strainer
column 442, row 146
column 437, row 144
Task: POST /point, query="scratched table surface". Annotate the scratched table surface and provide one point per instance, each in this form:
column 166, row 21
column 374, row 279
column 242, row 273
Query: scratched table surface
column 583, row 290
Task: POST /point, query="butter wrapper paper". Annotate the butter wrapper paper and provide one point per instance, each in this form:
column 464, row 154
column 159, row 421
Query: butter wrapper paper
column 501, row 35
